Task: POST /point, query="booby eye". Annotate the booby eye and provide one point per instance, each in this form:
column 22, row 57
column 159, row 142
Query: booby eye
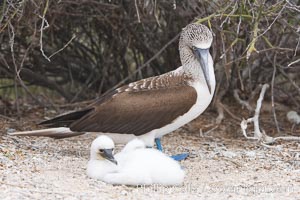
column 101, row 150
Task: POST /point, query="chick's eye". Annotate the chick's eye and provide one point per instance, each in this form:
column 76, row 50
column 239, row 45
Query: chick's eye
column 101, row 150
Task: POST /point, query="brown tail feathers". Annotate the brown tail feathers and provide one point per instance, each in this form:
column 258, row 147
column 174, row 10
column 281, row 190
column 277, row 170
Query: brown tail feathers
column 56, row 133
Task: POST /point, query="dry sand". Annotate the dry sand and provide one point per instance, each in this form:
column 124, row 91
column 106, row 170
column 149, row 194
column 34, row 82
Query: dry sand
column 219, row 168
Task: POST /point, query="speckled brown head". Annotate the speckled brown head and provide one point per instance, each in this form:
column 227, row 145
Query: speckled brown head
column 196, row 35
column 194, row 44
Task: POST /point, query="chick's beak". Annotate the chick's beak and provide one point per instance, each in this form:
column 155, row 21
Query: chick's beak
column 202, row 57
column 108, row 154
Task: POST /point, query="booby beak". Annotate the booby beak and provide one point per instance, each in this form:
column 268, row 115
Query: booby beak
column 108, row 154
column 202, row 57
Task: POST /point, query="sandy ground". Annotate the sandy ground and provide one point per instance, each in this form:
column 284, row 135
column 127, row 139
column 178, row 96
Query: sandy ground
column 219, row 167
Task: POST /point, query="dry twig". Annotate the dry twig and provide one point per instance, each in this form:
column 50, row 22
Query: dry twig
column 260, row 135
column 240, row 101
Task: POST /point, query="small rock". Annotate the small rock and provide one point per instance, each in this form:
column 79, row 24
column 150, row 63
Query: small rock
column 229, row 154
column 250, row 153
column 293, row 117
column 124, row 192
column 10, row 130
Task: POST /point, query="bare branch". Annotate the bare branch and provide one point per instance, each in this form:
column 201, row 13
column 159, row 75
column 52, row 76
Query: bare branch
column 240, row 101
column 137, row 11
column 259, row 135
column 73, row 37
column 272, row 94
column 42, row 29
column 294, row 62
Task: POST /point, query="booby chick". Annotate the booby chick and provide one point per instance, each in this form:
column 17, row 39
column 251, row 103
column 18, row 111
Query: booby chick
column 134, row 165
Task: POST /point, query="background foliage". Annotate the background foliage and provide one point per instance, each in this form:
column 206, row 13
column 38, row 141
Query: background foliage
column 78, row 49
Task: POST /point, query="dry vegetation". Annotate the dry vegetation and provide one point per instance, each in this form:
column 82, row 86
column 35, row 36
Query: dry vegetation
column 79, row 48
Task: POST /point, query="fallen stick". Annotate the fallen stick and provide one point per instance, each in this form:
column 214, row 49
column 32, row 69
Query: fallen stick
column 260, row 135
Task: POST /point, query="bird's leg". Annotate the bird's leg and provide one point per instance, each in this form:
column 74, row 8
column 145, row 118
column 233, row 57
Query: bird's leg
column 158, row 144
column 177, row 157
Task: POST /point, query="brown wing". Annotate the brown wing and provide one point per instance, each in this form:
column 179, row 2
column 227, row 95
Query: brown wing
column 136, row 110
column 66, row 119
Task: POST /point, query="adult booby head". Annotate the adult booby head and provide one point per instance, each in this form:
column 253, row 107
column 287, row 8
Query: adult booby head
column 103, row 148
column 194, row 44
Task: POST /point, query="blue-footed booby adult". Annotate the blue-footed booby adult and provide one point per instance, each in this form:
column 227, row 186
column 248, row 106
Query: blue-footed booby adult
column 151, row 107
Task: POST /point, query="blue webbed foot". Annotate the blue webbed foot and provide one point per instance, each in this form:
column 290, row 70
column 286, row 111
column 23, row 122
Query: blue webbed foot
column 177, row 157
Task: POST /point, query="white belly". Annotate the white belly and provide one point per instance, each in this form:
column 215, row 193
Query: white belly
column 203, row 100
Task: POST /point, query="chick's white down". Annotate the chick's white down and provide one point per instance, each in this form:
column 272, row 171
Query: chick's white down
column 137, row 165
